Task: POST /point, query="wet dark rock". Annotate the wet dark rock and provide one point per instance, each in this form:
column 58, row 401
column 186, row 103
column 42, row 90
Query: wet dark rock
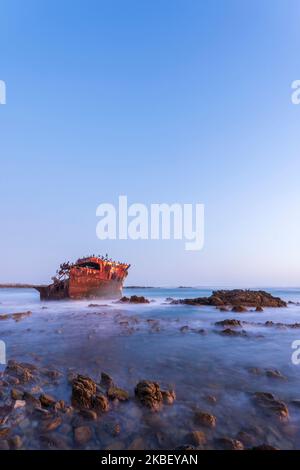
column 4, row 432
column 229, row 322
column 16, row 394
column 89, row 414
column 227, row 443
column 205, row 419
column 82, row 435
column 117, row 393
column 52, row 425
column 239, row 309
column 275, row 374
column 230, row 332
column 184, row 328
column 47, row 400
column 23, row 372
column 134, row 299
column 100, row 403
column 106, row 380
column 196, row 438
column 259, row 308
column 31, row 400
column 271, row 405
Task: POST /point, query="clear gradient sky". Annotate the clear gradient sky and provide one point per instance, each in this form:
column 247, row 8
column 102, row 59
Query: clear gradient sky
column 164, row 101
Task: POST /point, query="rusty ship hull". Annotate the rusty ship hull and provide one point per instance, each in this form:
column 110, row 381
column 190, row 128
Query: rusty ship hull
column 91, row 277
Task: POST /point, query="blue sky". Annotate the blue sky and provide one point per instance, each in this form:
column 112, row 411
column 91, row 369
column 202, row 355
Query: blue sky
column 164, row 101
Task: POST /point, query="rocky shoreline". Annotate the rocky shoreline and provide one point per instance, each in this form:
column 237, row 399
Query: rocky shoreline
column 58, row 424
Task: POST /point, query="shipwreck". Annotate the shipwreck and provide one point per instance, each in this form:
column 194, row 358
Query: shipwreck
column 90, row 277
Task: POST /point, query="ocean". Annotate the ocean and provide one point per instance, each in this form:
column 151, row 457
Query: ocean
column 178, row 346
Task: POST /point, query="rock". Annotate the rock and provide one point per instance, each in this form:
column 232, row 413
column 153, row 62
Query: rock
column 106, row 380
column 196, row 438
column 83, row 392
column 82, row 434
column 89, row 414
column 149, row 394
column 100, row 403
column 19, row 316
column 52, row 425
column 230, row 444
column 20, row 371
column 274, row 374
column 16, row 394
column 184, row 328
column 259, row 308
column 230, row 332
column 205, row 419
column 4, row 432
column 229, row 322
column 239, row 309
column 19, row 404
column 117, row 393
column 53, row 374
column 271, row 405
column 47, row 400
column 169, row 396
column 15, row 442
column 235, row 298
column 31, row 400
column 134, row 299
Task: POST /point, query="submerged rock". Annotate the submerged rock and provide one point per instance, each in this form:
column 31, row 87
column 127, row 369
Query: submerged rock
column 23, row 372
column 196, row 438
column 271, row 405
column 205, row 419
column 230, row 444
column 82, row 434
column 117, row 393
